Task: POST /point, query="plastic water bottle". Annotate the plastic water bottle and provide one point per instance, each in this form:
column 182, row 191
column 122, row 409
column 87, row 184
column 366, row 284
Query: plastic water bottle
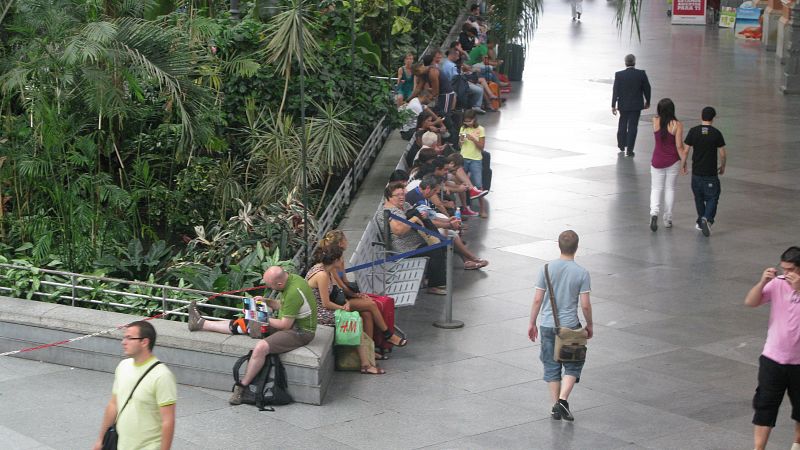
column 246, row 308
column 458, row 214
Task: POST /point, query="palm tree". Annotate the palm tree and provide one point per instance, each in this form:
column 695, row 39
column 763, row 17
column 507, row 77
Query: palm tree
column 290, row 37
column 87, row 80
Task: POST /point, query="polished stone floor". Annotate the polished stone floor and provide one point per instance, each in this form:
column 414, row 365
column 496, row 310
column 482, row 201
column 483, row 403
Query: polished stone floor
column 673, row 363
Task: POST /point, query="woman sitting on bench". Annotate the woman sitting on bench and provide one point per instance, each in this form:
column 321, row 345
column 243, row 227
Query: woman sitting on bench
column 405, row 239
column 321, row 281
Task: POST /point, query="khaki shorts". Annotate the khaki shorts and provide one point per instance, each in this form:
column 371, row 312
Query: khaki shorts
column 283, row 341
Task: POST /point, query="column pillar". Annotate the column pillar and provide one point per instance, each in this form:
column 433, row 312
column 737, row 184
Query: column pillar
column 783, row 26
column 770, row 25
column 791, row 69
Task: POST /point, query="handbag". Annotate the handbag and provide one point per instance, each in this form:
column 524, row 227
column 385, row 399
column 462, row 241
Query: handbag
column 349, row 359
column 111, row 437
column 570, row 344
column 337, row 295
column 348, row 328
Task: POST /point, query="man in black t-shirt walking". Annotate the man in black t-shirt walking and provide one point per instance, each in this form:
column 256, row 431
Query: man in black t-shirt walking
column 707, row 142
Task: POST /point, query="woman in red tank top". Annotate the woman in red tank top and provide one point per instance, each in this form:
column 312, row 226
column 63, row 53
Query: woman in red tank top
column 668, row 156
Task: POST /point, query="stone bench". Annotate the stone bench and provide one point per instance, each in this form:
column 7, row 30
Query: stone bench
column 202, row 359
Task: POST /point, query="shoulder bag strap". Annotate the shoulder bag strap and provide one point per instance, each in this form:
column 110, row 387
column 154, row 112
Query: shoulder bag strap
column 134, row 389
column 552, row 296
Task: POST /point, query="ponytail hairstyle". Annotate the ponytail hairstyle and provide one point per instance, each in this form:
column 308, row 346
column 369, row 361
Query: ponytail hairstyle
column 332, row 238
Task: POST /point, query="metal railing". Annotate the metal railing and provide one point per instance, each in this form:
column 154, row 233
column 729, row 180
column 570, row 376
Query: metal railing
column 74, row 288
column 347, row 190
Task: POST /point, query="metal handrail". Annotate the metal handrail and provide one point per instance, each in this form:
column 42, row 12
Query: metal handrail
column 341, row 198
column 77, row 289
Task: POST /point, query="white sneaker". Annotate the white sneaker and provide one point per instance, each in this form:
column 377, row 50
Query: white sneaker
column 667, row 224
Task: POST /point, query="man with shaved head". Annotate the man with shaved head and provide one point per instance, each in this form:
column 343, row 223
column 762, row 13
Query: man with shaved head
column 293, row 324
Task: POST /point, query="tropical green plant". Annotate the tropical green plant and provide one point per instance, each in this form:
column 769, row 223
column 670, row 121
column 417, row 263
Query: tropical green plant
column 276, row 143
column 290, row 40
column 87, row 80
column 134, row 263
column 138, row 121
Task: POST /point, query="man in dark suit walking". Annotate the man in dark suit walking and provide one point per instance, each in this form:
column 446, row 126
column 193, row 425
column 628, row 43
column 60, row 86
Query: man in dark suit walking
column 631, row 95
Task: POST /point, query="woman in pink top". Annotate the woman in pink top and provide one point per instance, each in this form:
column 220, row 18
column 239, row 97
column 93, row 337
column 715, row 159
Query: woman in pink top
column 668, row 156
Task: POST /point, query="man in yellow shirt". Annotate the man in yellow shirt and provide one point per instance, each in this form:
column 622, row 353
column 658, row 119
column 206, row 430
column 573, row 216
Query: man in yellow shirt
column 148, row 420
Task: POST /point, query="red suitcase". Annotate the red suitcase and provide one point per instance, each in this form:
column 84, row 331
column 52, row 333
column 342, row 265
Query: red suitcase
column 386, row 307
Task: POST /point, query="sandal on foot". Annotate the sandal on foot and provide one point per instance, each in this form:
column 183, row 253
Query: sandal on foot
column 381, row 357
column 371, row 370
column 401, row 343
column 388, row 335
column 471, row 265
column 437, row 291
column 481, row 262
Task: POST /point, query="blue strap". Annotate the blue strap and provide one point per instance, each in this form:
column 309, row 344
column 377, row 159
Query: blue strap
column 418, row 227
column 396, row 257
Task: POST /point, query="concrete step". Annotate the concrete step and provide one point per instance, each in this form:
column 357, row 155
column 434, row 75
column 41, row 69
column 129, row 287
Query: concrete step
column 202, row 359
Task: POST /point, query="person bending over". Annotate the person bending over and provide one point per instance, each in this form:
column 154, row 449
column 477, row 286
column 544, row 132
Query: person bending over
column 293, row 327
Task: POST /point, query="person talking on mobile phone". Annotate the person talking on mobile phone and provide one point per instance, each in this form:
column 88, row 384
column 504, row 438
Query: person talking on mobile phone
column 779, row 363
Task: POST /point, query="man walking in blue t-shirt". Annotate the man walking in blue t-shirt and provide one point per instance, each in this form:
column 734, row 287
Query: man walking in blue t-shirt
column 572, row 285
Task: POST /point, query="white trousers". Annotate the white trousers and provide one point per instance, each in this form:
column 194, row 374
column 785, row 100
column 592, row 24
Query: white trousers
column 577, row 7
column 663, row 181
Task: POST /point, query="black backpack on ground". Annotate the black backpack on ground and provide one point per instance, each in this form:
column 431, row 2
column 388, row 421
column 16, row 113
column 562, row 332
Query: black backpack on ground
column 487, row 170
column 461, row 88
column 269, row 387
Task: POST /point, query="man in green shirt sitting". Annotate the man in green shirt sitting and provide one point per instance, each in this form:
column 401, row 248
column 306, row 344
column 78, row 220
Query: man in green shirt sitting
column 293, row 326
column 482, row 59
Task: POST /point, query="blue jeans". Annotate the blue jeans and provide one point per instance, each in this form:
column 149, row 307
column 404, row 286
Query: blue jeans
column 706, row 196
column 476, row 95
column 552, row 368
column 474, row 168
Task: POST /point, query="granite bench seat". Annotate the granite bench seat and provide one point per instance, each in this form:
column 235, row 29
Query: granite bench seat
column 202, row 359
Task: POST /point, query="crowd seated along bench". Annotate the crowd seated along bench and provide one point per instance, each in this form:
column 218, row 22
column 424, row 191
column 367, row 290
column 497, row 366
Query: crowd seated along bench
column 201, row 359
column 400, row 279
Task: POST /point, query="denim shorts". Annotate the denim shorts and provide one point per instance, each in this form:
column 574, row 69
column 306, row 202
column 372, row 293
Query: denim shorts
column 552, row 368
column 474, row 168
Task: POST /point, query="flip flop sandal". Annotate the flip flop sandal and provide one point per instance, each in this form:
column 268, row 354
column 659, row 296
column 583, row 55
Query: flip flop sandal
column 482, row 262
column 378, row 371
column 472, row 265
column 437, row 291
column 381, row 357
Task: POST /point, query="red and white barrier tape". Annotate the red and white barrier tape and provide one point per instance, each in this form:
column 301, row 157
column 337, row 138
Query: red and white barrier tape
column 110, row 330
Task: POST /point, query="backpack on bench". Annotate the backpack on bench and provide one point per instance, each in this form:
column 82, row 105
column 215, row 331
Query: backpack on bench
column 269, row 387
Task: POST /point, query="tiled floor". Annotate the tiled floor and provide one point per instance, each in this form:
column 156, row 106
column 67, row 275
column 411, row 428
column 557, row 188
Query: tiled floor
column 673, row 363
